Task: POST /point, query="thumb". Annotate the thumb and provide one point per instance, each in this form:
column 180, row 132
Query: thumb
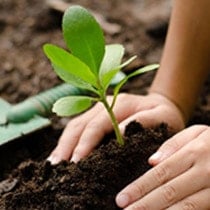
column 175, row 143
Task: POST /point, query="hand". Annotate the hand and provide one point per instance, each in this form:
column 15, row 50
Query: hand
column 84, row 132
column 180, row 178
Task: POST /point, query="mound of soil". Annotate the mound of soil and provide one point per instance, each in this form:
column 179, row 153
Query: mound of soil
column 91, row 184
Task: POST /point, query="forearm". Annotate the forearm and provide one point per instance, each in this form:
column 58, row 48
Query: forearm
column 186, row 58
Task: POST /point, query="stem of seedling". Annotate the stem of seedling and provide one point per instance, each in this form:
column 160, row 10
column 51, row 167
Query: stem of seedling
column 113, row 120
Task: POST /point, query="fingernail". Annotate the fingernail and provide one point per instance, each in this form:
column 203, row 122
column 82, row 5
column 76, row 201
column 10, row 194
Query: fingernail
column 75, row 158
column 156, row 157
column 53, row 160
column 122, row 200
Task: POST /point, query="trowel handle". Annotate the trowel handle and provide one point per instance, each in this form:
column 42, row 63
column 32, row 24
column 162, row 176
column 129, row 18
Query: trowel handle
column 40, row 104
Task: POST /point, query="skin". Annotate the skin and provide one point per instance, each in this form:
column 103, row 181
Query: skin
column 183, row 160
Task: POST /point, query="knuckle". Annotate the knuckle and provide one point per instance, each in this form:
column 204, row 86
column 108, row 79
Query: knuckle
column 197, row 151
column 93, row 125
column 171, row 145
column 80, row 151
column 189, row 205
column 75, row 123
column 202, row 148
column 139, row 189
column 141, row 206
column 161, row 174
column 169, row 194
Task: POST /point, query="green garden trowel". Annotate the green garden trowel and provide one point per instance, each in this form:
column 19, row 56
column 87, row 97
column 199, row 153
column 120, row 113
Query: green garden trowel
column 31, row 114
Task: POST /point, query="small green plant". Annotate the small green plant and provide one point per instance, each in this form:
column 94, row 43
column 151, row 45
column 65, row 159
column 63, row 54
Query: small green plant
column 89, row 64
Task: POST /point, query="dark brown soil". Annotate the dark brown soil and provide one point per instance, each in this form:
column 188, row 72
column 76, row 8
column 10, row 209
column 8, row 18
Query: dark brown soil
column 28, row 181
column 89, row 185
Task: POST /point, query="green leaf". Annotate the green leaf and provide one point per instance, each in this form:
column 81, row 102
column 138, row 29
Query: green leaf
column 117, row 78
column 128, row 61
column 66, row 65
column 111, row 63
column 143, row 70
column 135, row 73
column 109, row 75
column 72, row 105
column 73, row 80
column 112, row 58
column 84, row 36
column 105, row 81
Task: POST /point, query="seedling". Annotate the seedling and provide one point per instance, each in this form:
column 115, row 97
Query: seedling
column 89, row 64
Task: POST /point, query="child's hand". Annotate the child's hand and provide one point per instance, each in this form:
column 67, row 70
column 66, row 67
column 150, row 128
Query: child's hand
column 84, row 132
column 180, row 179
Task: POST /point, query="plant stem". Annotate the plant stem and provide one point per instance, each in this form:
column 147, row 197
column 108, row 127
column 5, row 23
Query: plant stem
column 114, row 122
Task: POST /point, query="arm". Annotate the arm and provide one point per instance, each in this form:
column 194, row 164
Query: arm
column 185, row 61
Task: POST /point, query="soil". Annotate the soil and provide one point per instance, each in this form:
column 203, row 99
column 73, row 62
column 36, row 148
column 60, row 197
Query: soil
column 90, row 184
column 28, row 181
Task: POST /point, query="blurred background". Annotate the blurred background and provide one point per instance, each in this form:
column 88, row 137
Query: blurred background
column 25, row 25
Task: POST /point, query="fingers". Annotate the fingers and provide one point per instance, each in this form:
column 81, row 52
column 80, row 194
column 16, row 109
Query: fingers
column 176, row 142
column 156, row 114
column 199, row 200
column 66, row 143
column 174, row 180
column 91, row 136
column 71, row 135
column 154, row 178
column 171, row 192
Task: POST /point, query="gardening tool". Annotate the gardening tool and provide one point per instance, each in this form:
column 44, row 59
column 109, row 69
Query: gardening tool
column 31, row 114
